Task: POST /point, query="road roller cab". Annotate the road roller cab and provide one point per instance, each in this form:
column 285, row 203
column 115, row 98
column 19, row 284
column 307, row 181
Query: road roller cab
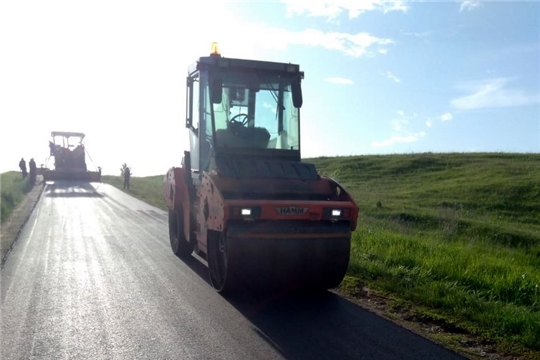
column 243, row 199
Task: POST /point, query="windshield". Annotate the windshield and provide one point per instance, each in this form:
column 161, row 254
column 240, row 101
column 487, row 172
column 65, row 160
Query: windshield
column 66, row 141
column 256, row 111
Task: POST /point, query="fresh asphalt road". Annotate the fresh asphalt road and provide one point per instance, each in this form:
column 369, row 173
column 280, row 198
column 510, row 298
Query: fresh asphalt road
column 92, row 276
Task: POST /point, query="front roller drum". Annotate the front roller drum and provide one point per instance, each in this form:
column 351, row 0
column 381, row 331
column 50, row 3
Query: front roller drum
column 296, row 264
column 270, row 264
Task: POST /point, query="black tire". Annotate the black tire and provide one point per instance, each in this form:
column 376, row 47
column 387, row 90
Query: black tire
column 179, row 244
column 220, row 266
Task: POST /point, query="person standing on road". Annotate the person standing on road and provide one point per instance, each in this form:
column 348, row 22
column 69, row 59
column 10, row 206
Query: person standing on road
column 22, row 166
column 33, row 168
column 127, row 175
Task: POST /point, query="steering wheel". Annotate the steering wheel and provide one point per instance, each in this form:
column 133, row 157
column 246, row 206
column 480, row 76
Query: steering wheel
column 244, row 120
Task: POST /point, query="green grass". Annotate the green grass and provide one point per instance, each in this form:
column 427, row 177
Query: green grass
column 455, row 234
column 12, row 191
column 455, row 237
column 147, row 189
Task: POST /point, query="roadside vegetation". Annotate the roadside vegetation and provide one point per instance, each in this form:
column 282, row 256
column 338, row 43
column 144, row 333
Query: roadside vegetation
column 457, row 235
column 147, row 189
column 453, row 239
column 12, row 190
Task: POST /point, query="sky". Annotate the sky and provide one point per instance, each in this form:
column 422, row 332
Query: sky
column 381, row 77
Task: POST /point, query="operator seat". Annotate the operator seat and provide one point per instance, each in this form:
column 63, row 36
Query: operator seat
column 243, row 137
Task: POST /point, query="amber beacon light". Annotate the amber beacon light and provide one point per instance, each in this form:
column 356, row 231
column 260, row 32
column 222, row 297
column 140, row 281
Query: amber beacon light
column 215, row 49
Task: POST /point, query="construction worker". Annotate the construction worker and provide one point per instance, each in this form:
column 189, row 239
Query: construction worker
column 127, row 175
column 33, row 168
column 22, row 166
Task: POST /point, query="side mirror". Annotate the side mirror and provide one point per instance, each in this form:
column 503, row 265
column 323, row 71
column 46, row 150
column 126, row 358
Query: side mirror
column 216, row 87
column 296, row 89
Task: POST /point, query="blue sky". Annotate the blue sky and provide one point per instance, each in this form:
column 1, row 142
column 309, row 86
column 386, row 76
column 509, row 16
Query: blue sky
column 380, row 76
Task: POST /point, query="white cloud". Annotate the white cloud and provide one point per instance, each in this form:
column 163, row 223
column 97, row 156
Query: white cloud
column 392, row 76
column 355, row 45
column 401, row 134
column 340, row 81
column 276, row 38
column 395, row 5
column 398, row 125
column 446, row 117
column 270, row 107
column 469, row 5
column 382, row 51
column 492, row 93
column 429, row 123
column 423, row 34
column 332, row 9
column 398, row 139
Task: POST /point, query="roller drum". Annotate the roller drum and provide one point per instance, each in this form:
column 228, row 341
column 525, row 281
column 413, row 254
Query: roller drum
column 310, row 256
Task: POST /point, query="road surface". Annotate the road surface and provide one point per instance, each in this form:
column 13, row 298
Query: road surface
column 92, row 276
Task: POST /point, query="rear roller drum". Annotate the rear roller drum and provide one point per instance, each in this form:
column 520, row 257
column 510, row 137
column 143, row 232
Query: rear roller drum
column 179, row 244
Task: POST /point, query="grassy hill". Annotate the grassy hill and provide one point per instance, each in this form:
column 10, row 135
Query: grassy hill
column 458, row 234
column 452, row 238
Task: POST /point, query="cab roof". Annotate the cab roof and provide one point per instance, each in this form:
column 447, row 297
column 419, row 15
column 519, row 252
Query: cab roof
column 218, row 61
column 68, row 134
